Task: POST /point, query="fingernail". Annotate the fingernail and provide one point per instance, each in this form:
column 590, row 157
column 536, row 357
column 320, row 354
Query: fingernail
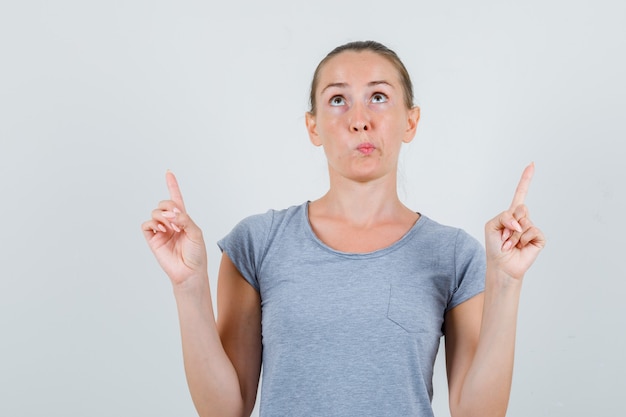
column 161, row 228
column 176, row 210
column 507, row 245
column 506, row 233
column 176, row 229
column 168, row 214
column 516, row 226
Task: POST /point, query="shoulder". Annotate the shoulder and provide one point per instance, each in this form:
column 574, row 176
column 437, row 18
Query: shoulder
column 248, row 242
column 448, row 243
column 463, row 255
column 259, row 226
column 446, row 233
column 268, row 220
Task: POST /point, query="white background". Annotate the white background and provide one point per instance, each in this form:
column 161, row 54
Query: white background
column 99, row 98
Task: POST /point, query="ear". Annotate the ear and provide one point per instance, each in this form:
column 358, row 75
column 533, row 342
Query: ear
column 412, row 121
column 311, row 127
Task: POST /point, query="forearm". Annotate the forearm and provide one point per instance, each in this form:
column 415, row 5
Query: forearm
column 481, row 359
column 487, row 385
column 212, row 380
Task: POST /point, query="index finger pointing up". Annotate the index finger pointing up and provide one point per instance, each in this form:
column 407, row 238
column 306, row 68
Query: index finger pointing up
column 522, row 187
column 172, row 186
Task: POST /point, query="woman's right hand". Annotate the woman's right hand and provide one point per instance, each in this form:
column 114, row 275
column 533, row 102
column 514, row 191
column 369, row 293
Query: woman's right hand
column 175, row 240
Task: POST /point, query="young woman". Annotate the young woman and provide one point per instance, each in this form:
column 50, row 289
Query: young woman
column 344, row 299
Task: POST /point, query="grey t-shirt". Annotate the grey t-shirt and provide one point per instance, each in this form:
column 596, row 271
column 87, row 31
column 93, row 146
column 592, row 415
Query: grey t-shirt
column 348, row 334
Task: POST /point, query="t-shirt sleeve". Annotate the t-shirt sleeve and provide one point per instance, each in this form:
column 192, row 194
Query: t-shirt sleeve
column 470, row 268
column 246, row 244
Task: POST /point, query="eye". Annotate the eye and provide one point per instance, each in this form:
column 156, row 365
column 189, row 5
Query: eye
column 337, row 101
column 379, row 98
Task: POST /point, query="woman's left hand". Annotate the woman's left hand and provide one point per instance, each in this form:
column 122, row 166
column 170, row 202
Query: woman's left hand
column 512, row 241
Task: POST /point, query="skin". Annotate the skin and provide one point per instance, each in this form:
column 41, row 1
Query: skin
column 361, row 122
column 222, row 360
column 361, row 103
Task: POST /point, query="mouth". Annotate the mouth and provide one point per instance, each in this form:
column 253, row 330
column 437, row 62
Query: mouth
column 366, row 148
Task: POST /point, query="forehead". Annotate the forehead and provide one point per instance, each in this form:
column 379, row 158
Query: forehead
column 354, row 68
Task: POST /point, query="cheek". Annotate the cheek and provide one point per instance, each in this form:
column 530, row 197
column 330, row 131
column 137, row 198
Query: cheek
column 330, row 123
column 397, row 124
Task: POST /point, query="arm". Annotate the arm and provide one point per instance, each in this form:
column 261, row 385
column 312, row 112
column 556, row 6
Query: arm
column 480, row 333
column 239, row 327
column 480, row 344
column 211, row 376
column 178, row 245
column 223, row 361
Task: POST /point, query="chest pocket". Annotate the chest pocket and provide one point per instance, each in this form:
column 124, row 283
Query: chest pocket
column 416, row 308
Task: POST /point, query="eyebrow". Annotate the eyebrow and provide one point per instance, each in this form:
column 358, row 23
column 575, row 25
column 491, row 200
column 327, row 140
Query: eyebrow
column 344, row 85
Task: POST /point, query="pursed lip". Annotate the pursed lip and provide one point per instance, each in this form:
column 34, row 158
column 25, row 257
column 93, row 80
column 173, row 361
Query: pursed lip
column 366, row 148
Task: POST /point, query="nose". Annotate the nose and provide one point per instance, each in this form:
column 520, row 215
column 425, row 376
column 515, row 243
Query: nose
column 360, row 126
column 359, row 120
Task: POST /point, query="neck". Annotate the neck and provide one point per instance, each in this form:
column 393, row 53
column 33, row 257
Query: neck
column 362, row 203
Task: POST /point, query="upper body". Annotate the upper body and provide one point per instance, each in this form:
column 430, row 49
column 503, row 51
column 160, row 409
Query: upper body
column 361, row 114
column 347, row 334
